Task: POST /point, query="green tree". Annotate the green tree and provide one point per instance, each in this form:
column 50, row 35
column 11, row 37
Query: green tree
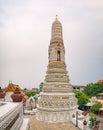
column 82, row 98
column 92, row 119
column 95, row 108
column 93, row 89
column 30, row 93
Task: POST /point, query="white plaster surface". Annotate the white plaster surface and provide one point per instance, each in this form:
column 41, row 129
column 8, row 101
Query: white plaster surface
column 4, row 109
column 8, row 97
column 25, row 125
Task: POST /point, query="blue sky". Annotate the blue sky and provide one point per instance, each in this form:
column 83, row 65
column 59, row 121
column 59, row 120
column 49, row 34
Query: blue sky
column 25, row 33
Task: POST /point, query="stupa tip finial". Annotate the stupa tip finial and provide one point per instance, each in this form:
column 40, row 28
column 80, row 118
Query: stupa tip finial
column 56, row 18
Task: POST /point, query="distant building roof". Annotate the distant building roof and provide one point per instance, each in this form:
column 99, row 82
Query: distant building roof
column 100, row 81
column 100, row 94
column 78, row 86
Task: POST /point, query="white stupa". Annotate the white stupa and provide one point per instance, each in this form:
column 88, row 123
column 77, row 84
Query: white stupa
column 56, row 102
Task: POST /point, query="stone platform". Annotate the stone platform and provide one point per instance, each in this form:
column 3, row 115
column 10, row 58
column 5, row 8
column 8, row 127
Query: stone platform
column 25, row 124
column 41, row 125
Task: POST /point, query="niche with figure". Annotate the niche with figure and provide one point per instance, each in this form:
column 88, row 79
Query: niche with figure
column 58, row 56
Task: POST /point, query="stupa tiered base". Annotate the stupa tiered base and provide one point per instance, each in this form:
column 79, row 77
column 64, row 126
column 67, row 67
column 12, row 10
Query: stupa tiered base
column 56, row 107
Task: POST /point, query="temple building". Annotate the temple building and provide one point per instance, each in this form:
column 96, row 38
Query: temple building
column 10, row 90
column 56, row 103
column 11, row 87
column 11, row 108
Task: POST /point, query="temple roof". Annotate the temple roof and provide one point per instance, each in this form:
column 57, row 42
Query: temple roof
column 12, row 87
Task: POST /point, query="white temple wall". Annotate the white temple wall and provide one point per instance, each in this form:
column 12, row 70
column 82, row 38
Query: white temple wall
column 11, row 116
column 8, row 97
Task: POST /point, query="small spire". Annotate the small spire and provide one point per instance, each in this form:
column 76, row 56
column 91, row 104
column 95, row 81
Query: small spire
column 56, row 18
column 10, row 82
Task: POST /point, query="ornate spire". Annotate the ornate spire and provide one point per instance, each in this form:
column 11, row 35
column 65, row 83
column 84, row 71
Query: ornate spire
column 56, row 32
column 56, row 52
column 56, row 18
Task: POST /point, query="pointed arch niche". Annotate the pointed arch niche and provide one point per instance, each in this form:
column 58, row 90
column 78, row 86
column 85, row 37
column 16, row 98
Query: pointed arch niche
column 58, row 55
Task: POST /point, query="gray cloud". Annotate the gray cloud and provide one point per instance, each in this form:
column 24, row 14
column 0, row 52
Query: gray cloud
column 25, row 31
